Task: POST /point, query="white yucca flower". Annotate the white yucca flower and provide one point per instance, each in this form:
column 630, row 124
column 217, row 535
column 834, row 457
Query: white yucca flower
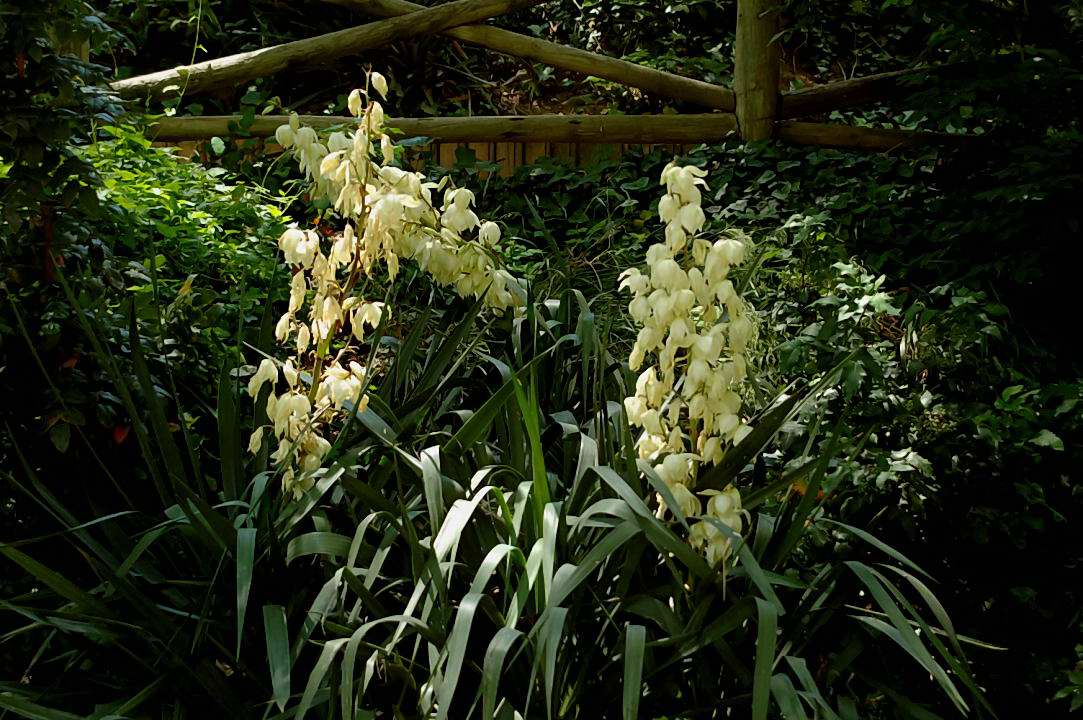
column 389, row 214
column 379, row 82
column 694, row 332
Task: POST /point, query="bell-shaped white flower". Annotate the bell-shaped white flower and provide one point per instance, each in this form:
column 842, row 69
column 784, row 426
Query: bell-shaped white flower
column 634, row 281
column 284, row 136
column 686, row 500
column 691, row 218
column 656, row 253
column 387, row 149
column 489, row 233
column 355, row 103
column 675, row 468
column 339, row 142
column 732, row 250
column 379, row 82
column 668, row 207
column 283, row 327
column 639, row 308
column 267, row 372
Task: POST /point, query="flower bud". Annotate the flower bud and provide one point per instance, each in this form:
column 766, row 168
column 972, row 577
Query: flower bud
column 256, row 441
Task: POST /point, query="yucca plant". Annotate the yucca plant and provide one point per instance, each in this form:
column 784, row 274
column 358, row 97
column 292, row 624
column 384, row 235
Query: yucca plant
column 503, row 562
column 480, row 546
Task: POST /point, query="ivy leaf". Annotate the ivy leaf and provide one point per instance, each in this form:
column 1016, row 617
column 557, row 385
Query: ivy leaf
column 60, row 434
column 1048, row 439
column 881, row 303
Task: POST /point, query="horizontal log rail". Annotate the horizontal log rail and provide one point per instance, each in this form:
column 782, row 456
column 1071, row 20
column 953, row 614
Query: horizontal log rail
column 844, row 94
column 646, row 129
column 656, row 82
column 849, row 137
column 706, row 127
column 242, row 67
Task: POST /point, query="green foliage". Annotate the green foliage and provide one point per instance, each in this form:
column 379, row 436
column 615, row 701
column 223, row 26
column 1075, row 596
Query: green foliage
column 483, row 546
column 918, row 263
column 174, row 252
column 48, row 93
column 110, row 372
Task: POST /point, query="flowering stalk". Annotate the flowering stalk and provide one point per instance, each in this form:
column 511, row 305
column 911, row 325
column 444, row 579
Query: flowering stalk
column 389, row 214
column 694, row 333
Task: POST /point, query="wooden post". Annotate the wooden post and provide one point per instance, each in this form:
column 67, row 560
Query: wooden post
column 756, row 69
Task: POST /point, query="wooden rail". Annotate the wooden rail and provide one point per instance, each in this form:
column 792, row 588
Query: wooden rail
column 848, row 137
column 855, row 92
column 760, row 111
column 656, row 82
column 686, row 129
column 240, row 68
column 650, row 129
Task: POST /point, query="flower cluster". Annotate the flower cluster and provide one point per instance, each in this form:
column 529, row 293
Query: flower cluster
column 694, row 333
column 389, row 214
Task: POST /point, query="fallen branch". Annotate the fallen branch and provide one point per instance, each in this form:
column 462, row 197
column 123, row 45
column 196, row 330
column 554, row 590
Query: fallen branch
column 706, row 127
column 627, row 73
column 240, row 68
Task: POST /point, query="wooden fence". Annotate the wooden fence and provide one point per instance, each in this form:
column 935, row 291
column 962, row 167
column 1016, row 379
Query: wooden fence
column 753, row 109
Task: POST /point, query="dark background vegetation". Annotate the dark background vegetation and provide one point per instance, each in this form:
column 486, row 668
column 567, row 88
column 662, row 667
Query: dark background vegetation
column 962, row 424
